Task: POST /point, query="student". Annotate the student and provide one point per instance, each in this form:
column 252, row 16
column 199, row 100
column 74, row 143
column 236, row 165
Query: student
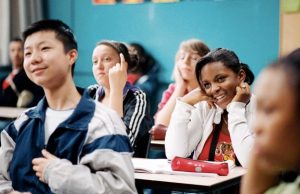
column 68, row 143
column 276, row 149
column 16, row 89
column 111, row 61
column 145, row 74
column 189, row 52
column 212, row 123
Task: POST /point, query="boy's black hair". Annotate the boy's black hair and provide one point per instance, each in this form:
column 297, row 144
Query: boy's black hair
column 229, row 59
column 63, row 33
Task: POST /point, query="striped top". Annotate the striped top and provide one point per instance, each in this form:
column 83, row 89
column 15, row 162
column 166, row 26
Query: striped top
column 136, row 116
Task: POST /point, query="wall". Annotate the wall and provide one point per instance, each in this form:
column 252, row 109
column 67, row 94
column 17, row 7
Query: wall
column 290, row 32
column 249, row 27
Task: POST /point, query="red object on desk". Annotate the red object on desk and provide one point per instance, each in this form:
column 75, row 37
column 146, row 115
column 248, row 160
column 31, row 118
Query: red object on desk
column 189, row 165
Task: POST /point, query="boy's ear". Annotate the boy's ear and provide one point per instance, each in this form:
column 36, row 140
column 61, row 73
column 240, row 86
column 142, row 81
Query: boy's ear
column 73, row 54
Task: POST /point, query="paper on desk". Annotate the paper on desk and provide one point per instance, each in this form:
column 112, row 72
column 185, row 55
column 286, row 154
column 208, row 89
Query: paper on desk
column 161, row 166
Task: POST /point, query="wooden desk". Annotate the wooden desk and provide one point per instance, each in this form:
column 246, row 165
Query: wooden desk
column 189, row 183
column 10, row 112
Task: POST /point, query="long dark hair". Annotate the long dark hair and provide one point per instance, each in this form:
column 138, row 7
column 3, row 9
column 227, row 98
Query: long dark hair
column 229, row 59
column 145, row 61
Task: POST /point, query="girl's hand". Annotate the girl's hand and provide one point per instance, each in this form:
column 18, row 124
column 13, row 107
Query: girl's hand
column 118, row 75
column 180, row 82
column 196, row 96
column 243, row 93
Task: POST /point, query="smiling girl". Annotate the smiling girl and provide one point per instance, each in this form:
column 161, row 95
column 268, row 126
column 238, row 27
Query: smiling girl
column 212, row 121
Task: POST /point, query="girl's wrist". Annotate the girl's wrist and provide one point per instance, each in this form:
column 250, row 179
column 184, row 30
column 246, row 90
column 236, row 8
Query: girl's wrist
column 179, row 90
column 188, row 100
column 114, row 93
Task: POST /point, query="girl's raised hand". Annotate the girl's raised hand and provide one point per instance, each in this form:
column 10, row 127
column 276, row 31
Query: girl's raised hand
column 196, row 96
column 118, row 75
column 243, row 93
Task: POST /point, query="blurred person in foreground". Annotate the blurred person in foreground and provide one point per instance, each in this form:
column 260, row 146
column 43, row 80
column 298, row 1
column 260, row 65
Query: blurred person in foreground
column 274, row 166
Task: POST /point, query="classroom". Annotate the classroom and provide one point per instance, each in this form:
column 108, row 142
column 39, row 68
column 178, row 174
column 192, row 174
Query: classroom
column 148, row 96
